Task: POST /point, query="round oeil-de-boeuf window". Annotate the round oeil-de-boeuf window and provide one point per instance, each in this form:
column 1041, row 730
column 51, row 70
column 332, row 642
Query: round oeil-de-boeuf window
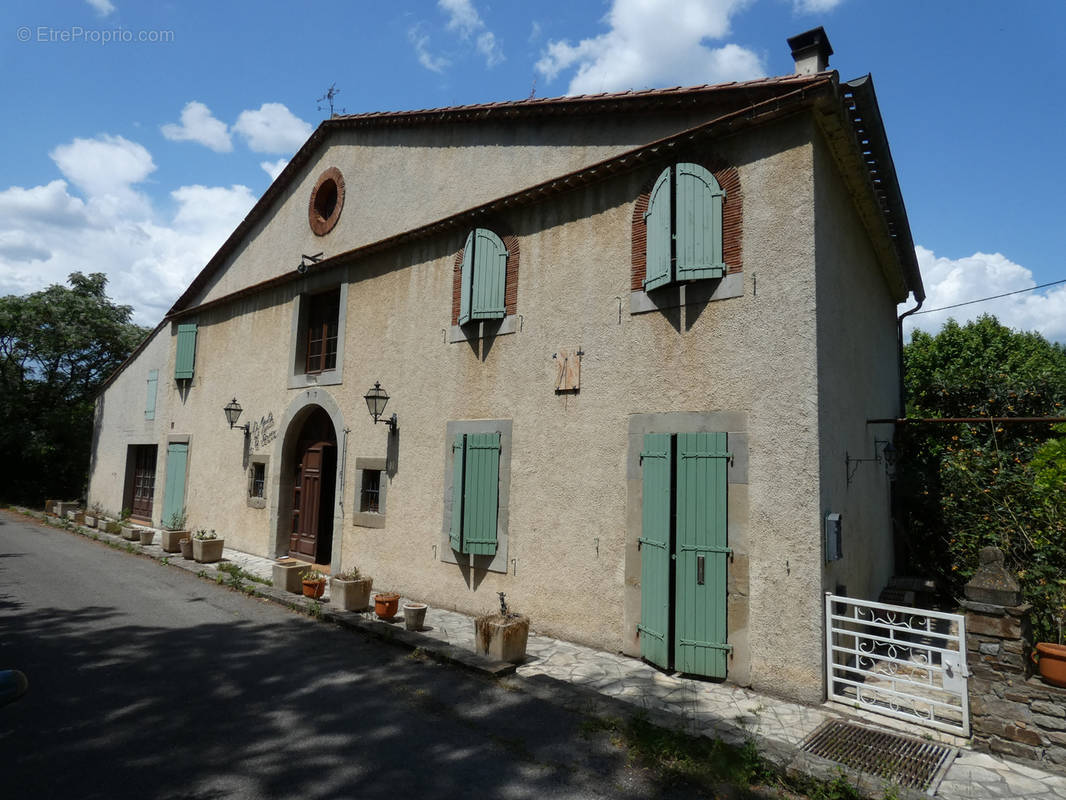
column 327, row 200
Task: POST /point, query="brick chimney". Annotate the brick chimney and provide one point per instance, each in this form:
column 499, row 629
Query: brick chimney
column 811, row 51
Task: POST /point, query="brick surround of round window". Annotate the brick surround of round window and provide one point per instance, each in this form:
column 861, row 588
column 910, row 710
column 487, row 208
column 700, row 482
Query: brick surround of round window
column 327, row 200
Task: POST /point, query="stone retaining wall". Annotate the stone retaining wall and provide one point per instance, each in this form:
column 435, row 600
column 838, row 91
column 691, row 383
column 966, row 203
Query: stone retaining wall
column 1011, row 711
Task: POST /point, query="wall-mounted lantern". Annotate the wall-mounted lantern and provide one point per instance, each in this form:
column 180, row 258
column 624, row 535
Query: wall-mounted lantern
column 233, row 413
column 376, row 400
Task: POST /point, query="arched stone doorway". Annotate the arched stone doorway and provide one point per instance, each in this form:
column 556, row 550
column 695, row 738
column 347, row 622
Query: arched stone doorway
column 308, row 486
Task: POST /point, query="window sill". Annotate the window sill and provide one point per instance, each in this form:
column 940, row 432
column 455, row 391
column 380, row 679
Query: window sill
column 732, row 285
column 257, row 502
column 368, row 519
column 303, row 380
column 483, row 329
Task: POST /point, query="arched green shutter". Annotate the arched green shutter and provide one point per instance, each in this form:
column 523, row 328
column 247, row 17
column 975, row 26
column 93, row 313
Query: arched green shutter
column 490, row 275
column 655, row 459
column 481, row 501
column 455, row 534
column 698, row 224
column 466, row 279
column 657, row 222
column 186, row 352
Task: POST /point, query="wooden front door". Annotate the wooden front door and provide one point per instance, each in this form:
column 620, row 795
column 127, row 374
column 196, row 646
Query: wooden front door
column 143, row 481
column 308, row 515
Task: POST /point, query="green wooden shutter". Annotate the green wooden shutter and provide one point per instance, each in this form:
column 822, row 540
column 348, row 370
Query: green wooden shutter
column 174, row 493
column 658, row 240
column 455, row 535
column 700, row 646
column 490, row 276
column 655, row 460
column 153, row 385
column 481, row 493
column 466, row 280
column 186, row 356
column 698, row 224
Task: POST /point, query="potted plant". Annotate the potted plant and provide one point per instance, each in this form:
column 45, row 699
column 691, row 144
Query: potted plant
column 128, row 531
column 96, row 511
column 385, row 605
column 1050, row 658
column 206, row 546
column 147, row 535
column 502, row 635
column 185, row 545
column 314, row 583
column 174, row 531
column 350, row 590
column 414, row 616
column 79, row 517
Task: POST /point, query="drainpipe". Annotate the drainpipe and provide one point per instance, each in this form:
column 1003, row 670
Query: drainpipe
column 899, row 356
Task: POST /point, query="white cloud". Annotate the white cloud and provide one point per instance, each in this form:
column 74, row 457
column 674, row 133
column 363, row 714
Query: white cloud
column 655, row 43
column 950, row 281
column 106, row 169
column 274, row 168
column 198, row 125
column 104, row 165
column 103, row 7
column 420, row 41
column 149, row 254
column 464, row 20
column 814, row 6
column 272, row 129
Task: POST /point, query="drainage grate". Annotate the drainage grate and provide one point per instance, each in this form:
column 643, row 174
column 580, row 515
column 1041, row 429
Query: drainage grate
column 912, row 763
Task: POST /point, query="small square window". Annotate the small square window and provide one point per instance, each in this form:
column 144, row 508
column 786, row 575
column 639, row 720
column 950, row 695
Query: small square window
column 370, row 492
column 258, row 479
column 257, row 483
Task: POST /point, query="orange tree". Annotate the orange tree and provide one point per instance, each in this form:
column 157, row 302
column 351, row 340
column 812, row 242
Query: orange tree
column 965, row 486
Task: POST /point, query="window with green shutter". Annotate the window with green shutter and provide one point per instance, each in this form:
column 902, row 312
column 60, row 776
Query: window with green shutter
column 475, row 493
column 186, row 353
column 684, row 227
column 484, row 277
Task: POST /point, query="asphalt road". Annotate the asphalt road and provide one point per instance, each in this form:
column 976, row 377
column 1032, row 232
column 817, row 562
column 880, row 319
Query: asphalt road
column 148, row 682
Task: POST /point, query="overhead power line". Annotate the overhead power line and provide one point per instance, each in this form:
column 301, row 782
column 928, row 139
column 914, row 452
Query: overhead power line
column 993, row 297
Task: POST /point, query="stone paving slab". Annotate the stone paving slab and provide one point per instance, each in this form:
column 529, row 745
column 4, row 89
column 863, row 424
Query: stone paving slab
column 601, row 682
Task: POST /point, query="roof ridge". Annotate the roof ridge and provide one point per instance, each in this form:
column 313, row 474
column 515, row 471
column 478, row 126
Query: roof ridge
column 540, row 102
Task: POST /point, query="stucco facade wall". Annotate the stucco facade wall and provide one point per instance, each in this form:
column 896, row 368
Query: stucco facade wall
column 751, row 359
column 119, row 421
column 857, row 368
column 444, row 169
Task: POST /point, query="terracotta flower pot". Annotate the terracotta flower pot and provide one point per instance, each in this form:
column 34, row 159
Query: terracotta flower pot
column 314, row 589
column 385, row 605
column 147, row 536
column 1051, row 659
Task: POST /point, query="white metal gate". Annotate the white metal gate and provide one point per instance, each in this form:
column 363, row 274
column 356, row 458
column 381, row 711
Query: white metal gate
column 903, row 662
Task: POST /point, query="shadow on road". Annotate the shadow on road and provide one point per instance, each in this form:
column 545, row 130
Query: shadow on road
column 244, row 709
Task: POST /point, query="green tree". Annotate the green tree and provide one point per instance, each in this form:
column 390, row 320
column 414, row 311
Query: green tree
column 965, row 486
column 57, row 346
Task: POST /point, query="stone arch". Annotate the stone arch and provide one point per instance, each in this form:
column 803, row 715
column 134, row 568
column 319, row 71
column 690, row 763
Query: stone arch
column 292, row 422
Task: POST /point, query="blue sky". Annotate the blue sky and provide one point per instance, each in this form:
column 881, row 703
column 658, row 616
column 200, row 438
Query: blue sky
column 138, row 134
